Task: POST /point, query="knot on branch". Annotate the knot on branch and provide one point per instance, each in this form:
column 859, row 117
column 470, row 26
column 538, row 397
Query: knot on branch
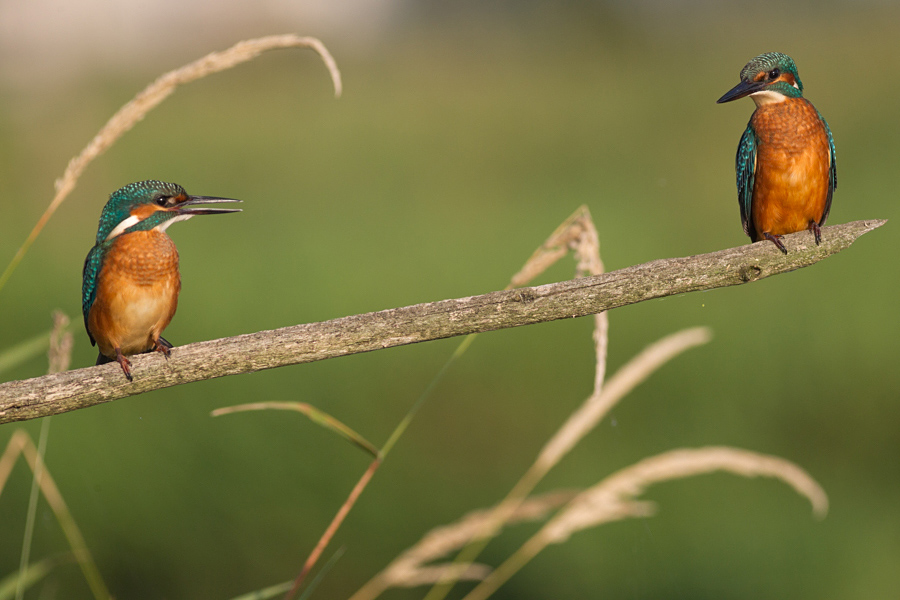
column 749, row 273
column 525, row 296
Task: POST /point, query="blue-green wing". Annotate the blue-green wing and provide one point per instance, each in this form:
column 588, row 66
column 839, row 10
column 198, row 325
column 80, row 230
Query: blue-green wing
column 832, row 172
column 745, row 167
column 89, row 276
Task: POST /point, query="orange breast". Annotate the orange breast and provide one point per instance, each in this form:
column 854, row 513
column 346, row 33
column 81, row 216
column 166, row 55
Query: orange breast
column 792, row 163
column 137, row 293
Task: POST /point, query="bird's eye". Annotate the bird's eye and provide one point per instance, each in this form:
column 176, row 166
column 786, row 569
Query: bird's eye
column 162, row 200
column 774, row 73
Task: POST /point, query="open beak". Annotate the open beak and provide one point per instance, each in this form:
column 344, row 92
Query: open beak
column 187, row 207
column 744, row 88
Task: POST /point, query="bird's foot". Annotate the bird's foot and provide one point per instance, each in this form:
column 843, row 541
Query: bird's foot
column 775, row 239
column 163, row 345
column 125, row 363
column 814, row 227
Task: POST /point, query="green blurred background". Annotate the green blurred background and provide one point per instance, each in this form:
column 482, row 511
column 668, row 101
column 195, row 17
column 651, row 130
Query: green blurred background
column 465, row 135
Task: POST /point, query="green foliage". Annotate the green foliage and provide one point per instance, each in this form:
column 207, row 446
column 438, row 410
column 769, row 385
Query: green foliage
column 33, row 574
column 24, row 351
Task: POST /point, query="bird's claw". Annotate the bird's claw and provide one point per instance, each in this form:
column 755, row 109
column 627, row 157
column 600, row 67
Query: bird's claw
column 163, row 346
column 817, row 231
column 125, row 364
column 776, row 239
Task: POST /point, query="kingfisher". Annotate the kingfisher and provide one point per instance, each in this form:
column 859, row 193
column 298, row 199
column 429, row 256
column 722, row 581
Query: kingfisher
column 786, row 173
column 130, row 281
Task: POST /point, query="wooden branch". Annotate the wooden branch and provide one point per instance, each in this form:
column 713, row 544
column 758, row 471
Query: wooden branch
column 80, row 388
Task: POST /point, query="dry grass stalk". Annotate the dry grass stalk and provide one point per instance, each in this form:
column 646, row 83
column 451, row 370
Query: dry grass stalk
column 578, row 425
column 614, row 498
column 130, row 114
column 333, row 527
column 586, row 510
column 587, row 255
column 314, row 414
column 342, row 430
column 59, row 354
column 20, row 444
column 571, row 232
column 577, row 234
column 596, row 407
column 412, row 569
column 580, row 234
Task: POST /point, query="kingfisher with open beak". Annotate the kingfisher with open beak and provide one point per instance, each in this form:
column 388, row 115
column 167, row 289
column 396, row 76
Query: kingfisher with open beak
column 786, row 173
column 130, row 281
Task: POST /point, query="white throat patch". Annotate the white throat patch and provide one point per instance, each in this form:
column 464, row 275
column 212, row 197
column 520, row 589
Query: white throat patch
column 125, row 224
column 132, row 220
column 767, row 97
column 165, row 224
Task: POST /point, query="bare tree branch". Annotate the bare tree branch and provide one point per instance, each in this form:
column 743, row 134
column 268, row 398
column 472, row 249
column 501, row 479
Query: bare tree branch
column 71, row 390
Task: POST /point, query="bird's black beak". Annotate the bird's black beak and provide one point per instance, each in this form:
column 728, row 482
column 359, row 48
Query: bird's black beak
column 187, row 207
column 744, row 88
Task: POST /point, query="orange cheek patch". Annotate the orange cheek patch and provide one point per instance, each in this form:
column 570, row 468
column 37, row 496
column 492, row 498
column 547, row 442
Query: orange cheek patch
column 145, row 210
column 788, row 78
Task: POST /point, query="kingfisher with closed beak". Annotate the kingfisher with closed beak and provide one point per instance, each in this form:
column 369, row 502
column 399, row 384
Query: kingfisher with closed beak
column 130, row 281
column 785, row 163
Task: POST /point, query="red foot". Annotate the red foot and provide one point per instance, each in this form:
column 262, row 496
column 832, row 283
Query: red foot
column 814, row 227
column 775, row 239
column 162, row 345
column 125, row 363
